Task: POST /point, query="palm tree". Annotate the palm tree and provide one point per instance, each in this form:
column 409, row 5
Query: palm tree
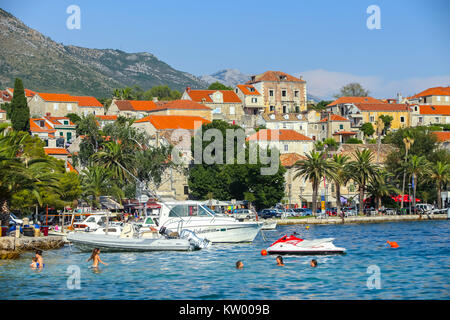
column 340, row 178
column 380, row 185
column 439, row 172
column 361, row 170
column 416, row 167
column 408, row 141
column 96, row 181
column 115, row 160
column 314, row 168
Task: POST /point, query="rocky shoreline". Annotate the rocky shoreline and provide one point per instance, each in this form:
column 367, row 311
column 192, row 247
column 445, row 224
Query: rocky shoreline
column 12, row 247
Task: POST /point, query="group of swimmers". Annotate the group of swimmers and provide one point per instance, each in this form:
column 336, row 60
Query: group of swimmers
column 279, row 259
column 37, row 262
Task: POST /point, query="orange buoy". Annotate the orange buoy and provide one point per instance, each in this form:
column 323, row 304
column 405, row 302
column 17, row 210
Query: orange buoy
column 264, row 252
column 393, row 244
column 307, row 227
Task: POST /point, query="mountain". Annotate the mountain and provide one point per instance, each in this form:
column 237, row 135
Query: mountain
column 229, row 77
column 47, row 66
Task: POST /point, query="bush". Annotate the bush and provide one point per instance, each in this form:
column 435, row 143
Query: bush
column 354, row 141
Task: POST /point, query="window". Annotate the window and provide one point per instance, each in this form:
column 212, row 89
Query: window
column 415, row 108
column 66, row 122
column 284, row 125
column 283, row 93
column 236, row 90
column 402, row 119
column 341, row 126
column 420, row 119
column 446, row 98
column 232, row 111
column 55, row 106
column 372, row 119
column 286, row 147
column 300, row 128
column 254, row 100
column 436, row 119
column 323, row 127
column 296, row 92
column 284, row 109
column 186, row 189
column 69, row 136
column 438, row 98
column 272, row 108
column 69, row 107
column 271, row 93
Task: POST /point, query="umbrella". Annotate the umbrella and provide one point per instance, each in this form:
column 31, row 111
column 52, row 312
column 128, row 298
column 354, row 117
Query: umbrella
column 406, row 198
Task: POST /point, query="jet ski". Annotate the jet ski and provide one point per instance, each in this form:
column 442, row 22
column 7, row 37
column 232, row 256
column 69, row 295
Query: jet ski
column 293, row 245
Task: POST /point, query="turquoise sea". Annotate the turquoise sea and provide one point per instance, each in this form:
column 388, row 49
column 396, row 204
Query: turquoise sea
column 418, row 269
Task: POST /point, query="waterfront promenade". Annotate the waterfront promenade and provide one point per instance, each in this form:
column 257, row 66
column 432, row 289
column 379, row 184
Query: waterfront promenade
column 360, row 219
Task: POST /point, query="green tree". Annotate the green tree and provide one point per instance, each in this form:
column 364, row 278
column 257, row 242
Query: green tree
column 20, row 113
column 314, row 168
column 387, row 120
column 367, row 129
column 340, row 177
column 75, row 118
column 353, row 141
column 380, row 185
column 439, row 174
column 352, row 90
column 362, row 169
column 218, row 86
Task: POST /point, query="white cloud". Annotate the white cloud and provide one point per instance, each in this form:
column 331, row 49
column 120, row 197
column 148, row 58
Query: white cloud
column 325, row 83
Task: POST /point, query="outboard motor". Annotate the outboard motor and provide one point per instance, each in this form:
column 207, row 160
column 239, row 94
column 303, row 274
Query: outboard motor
column 196, row 241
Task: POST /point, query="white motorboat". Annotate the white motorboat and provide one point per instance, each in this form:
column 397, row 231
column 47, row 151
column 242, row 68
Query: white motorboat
column 293, row 245
column 129, row 240
column 269, row 225
column 197, row 217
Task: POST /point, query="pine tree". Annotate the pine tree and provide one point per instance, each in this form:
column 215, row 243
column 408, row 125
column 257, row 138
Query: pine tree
column 20, row 113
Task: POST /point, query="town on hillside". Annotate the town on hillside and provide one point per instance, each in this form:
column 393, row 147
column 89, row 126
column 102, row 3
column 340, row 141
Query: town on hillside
column 272, row 110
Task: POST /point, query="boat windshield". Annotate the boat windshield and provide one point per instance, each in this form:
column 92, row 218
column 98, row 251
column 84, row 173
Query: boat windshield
column 190, row 210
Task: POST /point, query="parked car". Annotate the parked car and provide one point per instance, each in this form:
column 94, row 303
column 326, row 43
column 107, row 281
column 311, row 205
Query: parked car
column 243, row 214
column 301, row 212
column 288, row 213
column 269, row 213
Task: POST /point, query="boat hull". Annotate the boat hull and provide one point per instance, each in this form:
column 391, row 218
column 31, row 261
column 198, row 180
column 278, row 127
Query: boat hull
column 222, row 233
column 87, row 242
column 305, row 247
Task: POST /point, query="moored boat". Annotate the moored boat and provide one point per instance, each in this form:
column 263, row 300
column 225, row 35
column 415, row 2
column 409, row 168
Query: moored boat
column 293, row 245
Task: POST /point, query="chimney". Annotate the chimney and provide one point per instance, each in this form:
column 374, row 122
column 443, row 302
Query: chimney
column 188, row 89
column 399, row 98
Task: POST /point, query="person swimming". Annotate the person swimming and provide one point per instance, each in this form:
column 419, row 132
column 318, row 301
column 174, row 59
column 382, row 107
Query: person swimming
column 40, row 261
column 279, row 260
column 95, row 257
column 34, row 263
column 313, row 263
column 239, row 265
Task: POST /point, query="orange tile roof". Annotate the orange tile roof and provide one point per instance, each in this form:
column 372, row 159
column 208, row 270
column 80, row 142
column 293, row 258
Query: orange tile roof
column 2, row 111
column 87, row 101
column 343, row 100
column 289, row 159
column 135, row 105
column 34, row 127
column 106, row 117
column 248, row 90
column 28, row 92
column 229, row 96
column 70, row 167
column 57, row 97
column 435, row 91
column 442, row 136
column 56, row 151
column 334, row 117
column 181, row 104
column 162, row 122
column 278, row 135
column 381, row 106
column 441, row 110
column 55, row 120
column 274, row 76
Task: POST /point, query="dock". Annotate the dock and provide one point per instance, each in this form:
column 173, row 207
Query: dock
column 12, row 247
column 362, row 219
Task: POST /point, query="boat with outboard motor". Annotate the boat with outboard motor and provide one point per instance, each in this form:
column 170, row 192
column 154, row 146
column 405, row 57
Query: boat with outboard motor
column 131, row 240
column 293, row 245
column 197, row 217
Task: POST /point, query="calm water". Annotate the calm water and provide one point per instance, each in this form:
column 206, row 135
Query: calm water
column 419, row 269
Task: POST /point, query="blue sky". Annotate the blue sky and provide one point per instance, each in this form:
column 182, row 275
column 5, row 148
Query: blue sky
column 327, row 42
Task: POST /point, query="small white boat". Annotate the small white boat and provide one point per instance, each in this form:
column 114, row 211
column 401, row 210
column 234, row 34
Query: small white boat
column 129, row 240
column 269, row 225
column 293, row 245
